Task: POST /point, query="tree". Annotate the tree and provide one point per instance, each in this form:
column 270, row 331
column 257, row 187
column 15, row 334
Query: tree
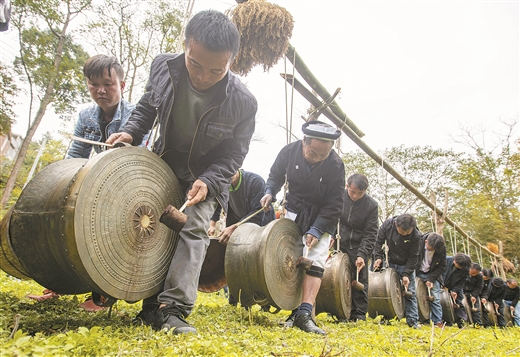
column 135, row 32
column 51, row 62
column 7, row 94
column 425, row 168
column 487, row 198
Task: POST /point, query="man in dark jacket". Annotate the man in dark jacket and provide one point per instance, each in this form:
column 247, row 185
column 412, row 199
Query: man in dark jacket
column 206, row 120
column 472, row 290
column 511, row 300
column 495, row 295
column 358, row 232
column 245, row 192
column 316, row 177
column 431, row 268
column 487, row 276
column 454, row 280
column 401, row 236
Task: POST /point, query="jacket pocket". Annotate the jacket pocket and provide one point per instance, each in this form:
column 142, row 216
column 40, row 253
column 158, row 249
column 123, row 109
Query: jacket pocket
column 215, row 134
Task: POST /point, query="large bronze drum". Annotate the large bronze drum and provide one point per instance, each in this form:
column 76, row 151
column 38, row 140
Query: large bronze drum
column 385, row 294
column 8, row 260
column 260, row 264
column 448, row 313
column 92, row 225
column 334, row 294
column 423, row 304
column 212, row 275
column 492, row 314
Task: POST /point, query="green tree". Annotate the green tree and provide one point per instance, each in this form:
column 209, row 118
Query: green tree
column 135, row 32
column 51, row 62
column 425, row 168
column 487, row 197
column 9, row 91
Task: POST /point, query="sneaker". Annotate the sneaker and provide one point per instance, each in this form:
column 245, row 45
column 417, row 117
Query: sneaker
column 290, row 320
column 146, row 316
column 415, row 326
column 460, row 323
column 306, row 323
column 439, row 325
column 171, row 319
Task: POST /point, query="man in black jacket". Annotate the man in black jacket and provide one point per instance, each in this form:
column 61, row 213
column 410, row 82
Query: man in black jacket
column 487, row 276
column 454, row 280
column 472, row 290
column 495, row 295
column 401, row 236
column 358, row 232
column 511, row 300
column 316, row 177
column 206, row 120
column 431, row 268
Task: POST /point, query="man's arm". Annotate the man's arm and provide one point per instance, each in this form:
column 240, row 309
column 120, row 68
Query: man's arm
column 368, row 239
column 437, row 271
column 78, row 149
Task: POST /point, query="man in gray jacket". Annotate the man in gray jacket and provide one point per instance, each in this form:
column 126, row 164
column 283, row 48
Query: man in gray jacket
column 206, row 120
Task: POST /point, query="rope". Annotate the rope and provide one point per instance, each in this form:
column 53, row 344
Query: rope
column 451, row 241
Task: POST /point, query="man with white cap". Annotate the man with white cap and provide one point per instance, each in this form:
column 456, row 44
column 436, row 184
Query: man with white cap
column 316, row 177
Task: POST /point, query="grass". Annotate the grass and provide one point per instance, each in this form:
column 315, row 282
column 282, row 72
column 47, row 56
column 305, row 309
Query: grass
column 59, row 328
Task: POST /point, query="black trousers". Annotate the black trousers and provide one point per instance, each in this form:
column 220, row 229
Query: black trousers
column 359, row 299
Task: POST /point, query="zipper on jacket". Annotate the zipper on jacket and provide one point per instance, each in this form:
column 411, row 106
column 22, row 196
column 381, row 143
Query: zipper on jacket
column 348, row 220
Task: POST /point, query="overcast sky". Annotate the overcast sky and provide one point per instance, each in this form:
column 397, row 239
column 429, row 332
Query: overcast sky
column 410, row 72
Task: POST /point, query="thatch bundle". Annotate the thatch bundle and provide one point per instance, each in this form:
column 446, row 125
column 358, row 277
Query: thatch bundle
column 506, row 263
column 265, row 30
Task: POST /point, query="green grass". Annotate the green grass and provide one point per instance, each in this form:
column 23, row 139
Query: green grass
column 60, row 328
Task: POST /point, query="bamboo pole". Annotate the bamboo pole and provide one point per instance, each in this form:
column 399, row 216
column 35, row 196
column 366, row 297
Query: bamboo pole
column 313, row 82
column 363, row 146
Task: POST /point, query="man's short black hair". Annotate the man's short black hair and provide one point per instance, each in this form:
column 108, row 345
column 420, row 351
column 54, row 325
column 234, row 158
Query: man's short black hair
column 436, row 241
column 476, row 267
column 463, row 260
column 359, row 180
column 96, row 66
column 405, row 222
column 488, row 273
column 215, row 31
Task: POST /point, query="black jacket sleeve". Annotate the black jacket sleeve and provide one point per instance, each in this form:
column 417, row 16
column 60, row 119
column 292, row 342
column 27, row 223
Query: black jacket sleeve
column 369, row 234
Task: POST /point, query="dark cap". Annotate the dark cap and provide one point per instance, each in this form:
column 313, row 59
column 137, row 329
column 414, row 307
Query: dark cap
column 318, row 130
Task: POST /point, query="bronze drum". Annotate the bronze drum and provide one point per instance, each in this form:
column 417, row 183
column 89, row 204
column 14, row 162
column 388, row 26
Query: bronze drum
column 466, row 304
column 385, row 294
column 423, row 304
column 260, row 264
column 93, row 225
column 492, row 314
column 334, row 294
column 212, row 275
column 448, row 314
column 8, row 260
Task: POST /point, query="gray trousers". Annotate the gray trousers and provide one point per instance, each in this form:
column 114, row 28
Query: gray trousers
column 182, row 280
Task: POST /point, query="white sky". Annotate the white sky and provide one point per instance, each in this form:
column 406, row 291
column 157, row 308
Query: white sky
column 411, row 72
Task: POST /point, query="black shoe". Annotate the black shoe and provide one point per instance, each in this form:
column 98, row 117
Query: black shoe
column 460, row 323
column 290, row 320
column 306, row 323
column 171, row 319
column 146, row 316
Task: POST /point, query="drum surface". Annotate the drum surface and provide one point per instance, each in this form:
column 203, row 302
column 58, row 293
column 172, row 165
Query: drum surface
column 385, row 294
column 334, row 296
column 423, row 304
column 212, row 275
column 448, row 314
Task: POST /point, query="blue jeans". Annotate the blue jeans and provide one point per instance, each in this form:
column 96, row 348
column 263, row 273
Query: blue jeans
column 435, row 305
column 516, row 318
column 411, row 310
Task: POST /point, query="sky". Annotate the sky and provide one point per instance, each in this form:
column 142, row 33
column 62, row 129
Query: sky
column 410, row 72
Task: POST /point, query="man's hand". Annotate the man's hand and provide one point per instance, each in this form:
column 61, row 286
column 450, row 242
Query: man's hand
column 119, row 138
column 360, row 263
column 406, row 281
column 266, row 202
column 429, row 284
column 483, row 301
column 512, row 309
column 226, row 234
column 198, row 192
column 212, row 228
column 454, row 295
column 496, row 306
column 310, row 241
column 377, row 264
column 473, row 300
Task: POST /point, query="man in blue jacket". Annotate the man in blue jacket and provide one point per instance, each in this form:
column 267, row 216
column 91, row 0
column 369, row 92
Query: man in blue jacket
column 358, row 232
column 206, row 120
column 110, row 113
column 402, row 238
